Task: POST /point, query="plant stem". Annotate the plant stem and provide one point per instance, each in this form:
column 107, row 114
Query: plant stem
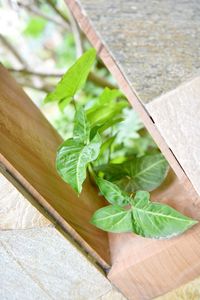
column 37, row 12
column 74, row 104
column 13, row 50
column 110, row 146
column 97, row 80
column 91, row 173
column 62, row 16
column 100, row 81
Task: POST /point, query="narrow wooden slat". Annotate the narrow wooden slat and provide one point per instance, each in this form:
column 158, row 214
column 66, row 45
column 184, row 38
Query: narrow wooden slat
column 27, row 150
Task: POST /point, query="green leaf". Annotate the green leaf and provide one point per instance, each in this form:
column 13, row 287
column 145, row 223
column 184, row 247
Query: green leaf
column 128, row 129
column 112, row 192
column 72, row 160
column 81, row 126
column 107, row 96
column 104, row 152
column 112, row 172
column 113, row 218
column 141, row 196
column 73, row 80
column 35, row 27
column 106, row 112
column 106, row 145
column 106, row 107
column 144, row 173
column 101, row 128
column 156, row 220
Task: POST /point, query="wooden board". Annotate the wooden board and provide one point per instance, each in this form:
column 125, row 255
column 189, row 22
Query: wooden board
column 144, row 268
column 27, row 151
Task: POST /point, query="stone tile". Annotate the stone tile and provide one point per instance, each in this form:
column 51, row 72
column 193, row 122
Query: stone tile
column 41, row 264
column 190, row 291
column 15, row 211
column 112, row 295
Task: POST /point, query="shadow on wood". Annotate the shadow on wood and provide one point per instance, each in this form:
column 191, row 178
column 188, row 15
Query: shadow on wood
column 27, row 151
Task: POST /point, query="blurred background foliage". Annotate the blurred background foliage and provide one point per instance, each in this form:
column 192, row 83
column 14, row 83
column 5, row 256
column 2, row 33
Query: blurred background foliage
column 39, row 41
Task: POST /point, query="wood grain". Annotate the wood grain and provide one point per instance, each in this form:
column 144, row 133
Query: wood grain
column 145, row 268
column 27, row 150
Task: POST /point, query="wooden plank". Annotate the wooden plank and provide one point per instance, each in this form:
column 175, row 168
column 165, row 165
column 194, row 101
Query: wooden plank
column 177, row 116
column 146, row 268
column 27, row 150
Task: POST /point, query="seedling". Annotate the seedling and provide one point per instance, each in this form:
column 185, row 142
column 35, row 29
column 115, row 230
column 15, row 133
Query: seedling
column 110, row 143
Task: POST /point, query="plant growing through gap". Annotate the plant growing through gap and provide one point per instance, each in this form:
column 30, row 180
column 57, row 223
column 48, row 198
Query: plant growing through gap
column 110, row 143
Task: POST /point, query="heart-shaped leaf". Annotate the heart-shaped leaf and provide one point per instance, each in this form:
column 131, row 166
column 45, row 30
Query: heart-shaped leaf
column 113, row 218
column 112, row 172
column 144, row 173
column 72, row 160
column 112, row 192
column 73, row 79
column 156, row 220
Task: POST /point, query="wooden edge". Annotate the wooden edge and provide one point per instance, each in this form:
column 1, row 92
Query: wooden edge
column 28, row 147
column 124, row 84
column 43, row 206
column 146, row 268
column 161, row 271
column 55, row 224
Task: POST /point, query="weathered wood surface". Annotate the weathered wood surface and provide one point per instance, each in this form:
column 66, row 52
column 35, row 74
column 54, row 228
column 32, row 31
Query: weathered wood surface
column 27, row 150
column 177, row 116
column 155, row 43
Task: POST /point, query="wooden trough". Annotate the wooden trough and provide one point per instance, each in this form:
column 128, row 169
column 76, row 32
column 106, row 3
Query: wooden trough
column 140, row 268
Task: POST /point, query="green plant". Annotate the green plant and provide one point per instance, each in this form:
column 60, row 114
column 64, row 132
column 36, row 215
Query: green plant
column 119, row 155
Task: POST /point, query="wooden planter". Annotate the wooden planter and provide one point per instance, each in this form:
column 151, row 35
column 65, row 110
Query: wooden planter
column 140, row 268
